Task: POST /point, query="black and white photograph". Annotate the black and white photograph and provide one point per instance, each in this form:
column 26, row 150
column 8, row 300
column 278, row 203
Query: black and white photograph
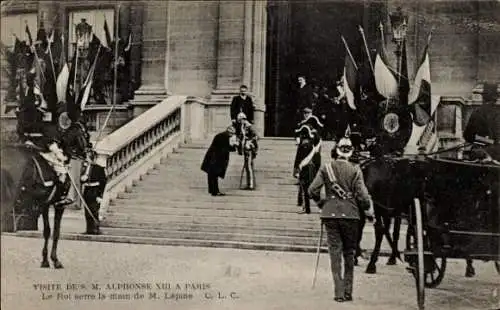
column 250, row 154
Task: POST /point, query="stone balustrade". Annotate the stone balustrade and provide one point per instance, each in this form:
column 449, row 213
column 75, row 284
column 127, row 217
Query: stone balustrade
column 136, row 147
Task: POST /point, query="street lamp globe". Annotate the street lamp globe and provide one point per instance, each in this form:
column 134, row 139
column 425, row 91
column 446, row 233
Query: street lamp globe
column 399, row 24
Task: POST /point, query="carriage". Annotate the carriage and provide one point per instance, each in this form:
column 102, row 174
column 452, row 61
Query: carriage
column 456, row 214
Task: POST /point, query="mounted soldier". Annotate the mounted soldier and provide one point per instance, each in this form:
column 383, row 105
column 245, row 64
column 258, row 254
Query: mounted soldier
column 248, row 147
column 38, row 131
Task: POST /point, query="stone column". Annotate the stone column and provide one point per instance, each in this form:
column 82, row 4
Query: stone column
column 154, row 40
column 240, row 60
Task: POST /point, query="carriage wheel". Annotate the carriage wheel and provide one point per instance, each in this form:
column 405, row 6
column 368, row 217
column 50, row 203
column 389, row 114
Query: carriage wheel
column 435, row 267
column 420, row 277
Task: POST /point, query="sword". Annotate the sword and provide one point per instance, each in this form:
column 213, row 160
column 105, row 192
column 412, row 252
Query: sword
column 317, row 255
column 80, row 195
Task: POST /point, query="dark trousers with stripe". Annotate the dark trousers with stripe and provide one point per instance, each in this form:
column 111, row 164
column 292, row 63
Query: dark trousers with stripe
column 342, row 235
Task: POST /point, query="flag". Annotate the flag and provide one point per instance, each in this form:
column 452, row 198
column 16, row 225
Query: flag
column 107, row 41
column 385, row 79
column 420, row 96
column 62, row 83
column 41, row 40
column 349, row 79
column 71, row 87
column 404, row 83
column 28, row 33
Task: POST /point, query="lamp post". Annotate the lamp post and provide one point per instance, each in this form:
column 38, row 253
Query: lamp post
column 399, row 24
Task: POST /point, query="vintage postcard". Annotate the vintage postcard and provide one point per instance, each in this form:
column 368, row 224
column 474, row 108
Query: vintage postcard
column 257, row 154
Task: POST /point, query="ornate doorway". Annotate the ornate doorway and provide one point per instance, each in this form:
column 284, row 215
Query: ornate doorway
column 305, row 38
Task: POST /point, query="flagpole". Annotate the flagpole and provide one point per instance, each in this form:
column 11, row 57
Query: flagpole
column 115, row 74
column 349, row 52
column 50, row 56
column 366, row 48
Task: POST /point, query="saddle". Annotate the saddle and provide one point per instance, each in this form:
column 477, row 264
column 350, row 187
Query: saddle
column 43, row 171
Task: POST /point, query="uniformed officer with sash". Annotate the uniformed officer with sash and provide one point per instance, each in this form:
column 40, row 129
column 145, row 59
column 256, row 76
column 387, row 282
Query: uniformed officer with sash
column 346, row 197
column 248, row 147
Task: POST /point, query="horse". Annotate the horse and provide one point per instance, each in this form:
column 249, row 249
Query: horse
column 307, row 164
column 30, row 186
column 392, row 190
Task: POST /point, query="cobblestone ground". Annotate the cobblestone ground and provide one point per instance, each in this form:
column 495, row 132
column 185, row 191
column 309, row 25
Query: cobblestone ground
column 246, row 280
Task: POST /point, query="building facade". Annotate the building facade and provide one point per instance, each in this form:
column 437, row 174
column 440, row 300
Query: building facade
column 207, row 49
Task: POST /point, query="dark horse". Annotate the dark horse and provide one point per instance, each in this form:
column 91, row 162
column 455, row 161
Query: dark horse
column 29, row 186
column 393, row 182
column 307, row 164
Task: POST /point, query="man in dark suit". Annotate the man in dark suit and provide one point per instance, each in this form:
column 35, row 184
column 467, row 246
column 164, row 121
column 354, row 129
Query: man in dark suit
column 217, row 158
column 242, row 103
column 484, row 124
column 93, row 179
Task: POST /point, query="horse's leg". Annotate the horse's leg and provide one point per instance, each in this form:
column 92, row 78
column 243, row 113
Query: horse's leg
column 469, row 270
column 379, row 235
column 395, row 238
column 361, row 226
column 46, row 236
column 55, row 237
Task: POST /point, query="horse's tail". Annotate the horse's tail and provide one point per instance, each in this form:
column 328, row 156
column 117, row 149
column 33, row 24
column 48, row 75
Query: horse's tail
column 13, row 168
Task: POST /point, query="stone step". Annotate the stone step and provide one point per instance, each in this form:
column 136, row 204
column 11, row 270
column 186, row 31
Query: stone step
column 309, row 231
column 304, row 222
column 200, row 180
column 252, row 237
column 232, row 197
column 166, row 211
column 233, row 172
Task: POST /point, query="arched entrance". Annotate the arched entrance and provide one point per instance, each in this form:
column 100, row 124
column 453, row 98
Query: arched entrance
column 305, row 38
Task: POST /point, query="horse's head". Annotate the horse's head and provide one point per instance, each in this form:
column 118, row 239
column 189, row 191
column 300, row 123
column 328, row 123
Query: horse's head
column 77, row 140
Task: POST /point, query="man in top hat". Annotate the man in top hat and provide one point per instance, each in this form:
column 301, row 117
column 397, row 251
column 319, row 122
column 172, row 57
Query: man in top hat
column 484, row 124
column 216, row 158
column 248, row 147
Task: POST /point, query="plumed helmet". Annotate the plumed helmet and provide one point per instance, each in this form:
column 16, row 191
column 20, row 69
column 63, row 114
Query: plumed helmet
column 344, row 147
column 241, row 116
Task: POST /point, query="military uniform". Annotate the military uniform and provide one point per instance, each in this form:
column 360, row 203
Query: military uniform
column 93, row 180
column 248, row 147
column 346, row 196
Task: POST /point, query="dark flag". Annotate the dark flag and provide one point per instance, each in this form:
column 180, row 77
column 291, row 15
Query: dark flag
column 28, row 32
column 41, row 40
column 108, row 41
column 420, row 97
column 404, row 83
column 73, row 107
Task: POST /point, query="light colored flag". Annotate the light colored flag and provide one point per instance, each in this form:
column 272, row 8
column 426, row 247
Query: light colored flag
column 385, row 79
column 62, row 83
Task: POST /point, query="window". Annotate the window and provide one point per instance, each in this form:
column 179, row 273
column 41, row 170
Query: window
column 17, row 24
column 95, row 18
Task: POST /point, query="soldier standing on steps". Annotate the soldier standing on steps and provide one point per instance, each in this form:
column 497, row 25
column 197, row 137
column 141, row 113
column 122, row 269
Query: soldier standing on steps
column 216, row 159
column 93, row 179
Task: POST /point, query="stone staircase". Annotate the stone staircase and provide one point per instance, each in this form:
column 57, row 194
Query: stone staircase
column 171, row 205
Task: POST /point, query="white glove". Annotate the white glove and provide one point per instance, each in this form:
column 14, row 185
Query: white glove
column 54, row 148
column 297, row 140
column 370, row 212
